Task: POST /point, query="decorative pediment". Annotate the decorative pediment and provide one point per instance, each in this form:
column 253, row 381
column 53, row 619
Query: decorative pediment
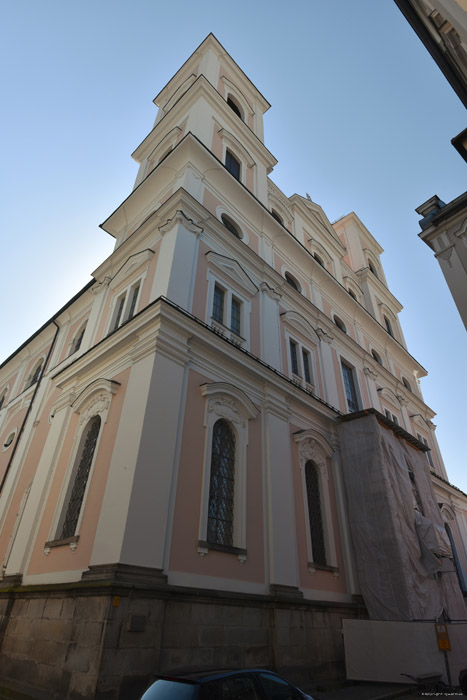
column 169, row 141
column 129, row 266
column 389, row 396
column 300, row 323
column 227, row 401
column 232, row 270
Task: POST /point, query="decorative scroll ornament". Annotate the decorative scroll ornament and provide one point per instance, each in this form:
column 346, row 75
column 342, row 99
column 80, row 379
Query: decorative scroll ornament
column 370, row 373
column 181, row 218
column 323, row 335
column 310, row 450
column 99, row 405
column 225, row 407
column 270, row 291
column 101, row 286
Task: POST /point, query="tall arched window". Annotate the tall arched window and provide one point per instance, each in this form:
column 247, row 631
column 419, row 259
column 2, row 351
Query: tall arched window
column 222, row 485
column 314, row 513
column 79, row 479
column 35, row 374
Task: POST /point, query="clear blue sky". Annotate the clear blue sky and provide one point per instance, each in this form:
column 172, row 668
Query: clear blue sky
column 361, row 119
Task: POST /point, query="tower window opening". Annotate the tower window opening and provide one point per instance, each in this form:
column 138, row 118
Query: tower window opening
column 234, row 106
column 232, row 165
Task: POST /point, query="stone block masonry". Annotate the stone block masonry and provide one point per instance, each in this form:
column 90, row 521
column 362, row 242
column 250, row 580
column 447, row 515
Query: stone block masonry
column 106, row 640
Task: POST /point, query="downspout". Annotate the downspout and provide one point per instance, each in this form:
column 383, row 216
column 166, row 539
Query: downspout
column 36, row 388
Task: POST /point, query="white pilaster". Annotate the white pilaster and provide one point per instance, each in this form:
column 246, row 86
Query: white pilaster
column 147, row 520
column 270, row 326
column 176, row 265
column 329, row 377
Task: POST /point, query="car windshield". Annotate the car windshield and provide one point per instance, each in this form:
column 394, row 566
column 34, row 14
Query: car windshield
column 170, row 690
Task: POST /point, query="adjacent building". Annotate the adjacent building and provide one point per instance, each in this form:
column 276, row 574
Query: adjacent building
column 206, row 453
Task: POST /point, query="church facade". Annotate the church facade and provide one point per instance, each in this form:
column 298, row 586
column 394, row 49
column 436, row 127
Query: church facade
column 178, row 441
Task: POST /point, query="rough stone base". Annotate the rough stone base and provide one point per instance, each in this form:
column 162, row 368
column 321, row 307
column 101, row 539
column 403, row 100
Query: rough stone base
column 106, row 640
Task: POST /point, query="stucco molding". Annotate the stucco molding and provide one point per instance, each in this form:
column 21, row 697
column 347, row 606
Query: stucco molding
column 129, row 266
column 181, row 218
column 324, row 336
column 270, row 291
column 300, row 324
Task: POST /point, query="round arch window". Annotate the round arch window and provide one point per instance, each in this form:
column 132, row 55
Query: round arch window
column 231, row 226
column 292, row 281
column 234, row 106
column 377, row 357
column 9, row 441
column 340, row 324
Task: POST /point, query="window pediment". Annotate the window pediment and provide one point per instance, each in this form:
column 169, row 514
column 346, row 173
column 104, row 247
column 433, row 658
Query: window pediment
column 233, row 271
column 230, row 87
column 128, row 267
column 227, row 401
column 300, row 324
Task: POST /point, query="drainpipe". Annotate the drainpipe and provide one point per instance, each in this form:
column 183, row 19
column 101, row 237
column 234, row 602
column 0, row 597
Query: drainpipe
column 36, row 388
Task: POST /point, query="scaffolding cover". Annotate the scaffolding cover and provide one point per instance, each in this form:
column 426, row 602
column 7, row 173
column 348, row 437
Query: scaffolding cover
column 396, row 526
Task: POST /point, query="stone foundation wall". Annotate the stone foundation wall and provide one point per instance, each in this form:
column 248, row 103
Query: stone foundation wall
column 107, row 642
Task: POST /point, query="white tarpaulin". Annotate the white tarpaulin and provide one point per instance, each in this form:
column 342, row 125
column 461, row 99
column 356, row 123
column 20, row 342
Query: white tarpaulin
column 398, row 551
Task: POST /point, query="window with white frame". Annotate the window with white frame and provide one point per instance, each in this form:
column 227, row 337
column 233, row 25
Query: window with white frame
column 301, row 361
column 348, row 375
column 35, row 374
column 223, row 507
column 229, row 298
column 92, row 405
column 125, row 306
column 73, row 503
column 314, row 452
column 227, row 310
column 78, row 339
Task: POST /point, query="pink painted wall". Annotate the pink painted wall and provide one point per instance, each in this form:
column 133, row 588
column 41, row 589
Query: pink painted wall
column 184, row 556
column 62, row 558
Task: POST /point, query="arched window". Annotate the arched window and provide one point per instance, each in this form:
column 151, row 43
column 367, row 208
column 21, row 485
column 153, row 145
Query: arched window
column 77, row 340
column 406, row 383
column 372, row 269
column 388, row 325
column 292, row 281
column 277, row 216
column 340, row 323
column 231, row 226
column 318, row 259
column 3, row 397
column 352, row 294
column 377, row 357
column 233, row 104
column 35, row 374
column 79, row 479
column 164, row 156
column 232, row 164
column 222, row 485
column 314, row 513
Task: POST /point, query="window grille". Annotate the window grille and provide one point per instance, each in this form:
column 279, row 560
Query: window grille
column 314, row 513
column 306, row 366
column 221, row 488
column 293, row 357
column 86, row 455
column 235, row 316
column 218, row 304
column 350, row 391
